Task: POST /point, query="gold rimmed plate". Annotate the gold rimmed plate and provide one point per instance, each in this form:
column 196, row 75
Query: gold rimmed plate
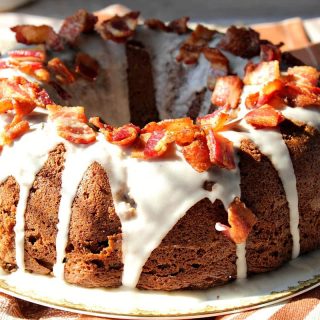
column 296, row 277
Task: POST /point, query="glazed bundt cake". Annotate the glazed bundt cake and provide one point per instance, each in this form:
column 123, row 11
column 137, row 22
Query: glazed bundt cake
column 199, row 163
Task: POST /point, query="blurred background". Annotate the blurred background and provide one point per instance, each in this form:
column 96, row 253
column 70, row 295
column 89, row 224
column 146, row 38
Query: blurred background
column 221, row 12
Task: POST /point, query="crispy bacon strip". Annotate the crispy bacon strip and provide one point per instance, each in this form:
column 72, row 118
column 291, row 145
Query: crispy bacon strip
column 123, row 136
column 264, row 117
column 80, row 22
column 119, row 29
column 71, row 124
column 197, row 154
column 241, row 220
column 221, row 150
column 213, row 121
column 43, row 34
column 227, row 92
column 262, row 73
column 12, row 132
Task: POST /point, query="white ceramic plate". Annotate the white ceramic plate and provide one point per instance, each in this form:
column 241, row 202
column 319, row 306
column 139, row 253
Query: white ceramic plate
column 296, row 277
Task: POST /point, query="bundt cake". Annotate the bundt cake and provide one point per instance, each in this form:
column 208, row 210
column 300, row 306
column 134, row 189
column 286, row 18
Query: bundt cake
column 199, row 164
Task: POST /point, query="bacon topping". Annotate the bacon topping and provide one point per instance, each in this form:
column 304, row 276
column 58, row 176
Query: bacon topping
column 123, row 136
column 262, row 72
column 197, row 154
column 71, row 124
column 270, row 52
column 62, row 73
column 243, row 42
column 264, row 117
column 304, row 75
column 119, row 29
column 28, row 55
column 215, row 121
column 43, row 34
column 156, row 24
column 241, row 220
column 227, row 92
column 191, row 49
column 80, row 22
column 179, row 26
column 86, row 66
column 221, row 150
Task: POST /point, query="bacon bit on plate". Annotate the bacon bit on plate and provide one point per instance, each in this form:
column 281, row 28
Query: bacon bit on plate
column 80, row 22
column 227, row 92
column 28, row 55
column 197, row 154
column 62, row 73
column 304, row 75
column 71, row 124
column 241, row 220
column 264, row 117
column 243, row 42
column 179, row 26
column 43, row 34
column 213, row 121
column 220, row 150
column 262, row 72
column 119, row 29
column 270, row 51
column 86, row 66
column 156, row 24
column 219, row 65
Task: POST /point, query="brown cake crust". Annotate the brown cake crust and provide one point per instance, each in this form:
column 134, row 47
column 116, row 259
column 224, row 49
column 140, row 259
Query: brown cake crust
column 269, row 244
column 94, row 255
column 41, row 216
column 303, row 143
column 9, row 197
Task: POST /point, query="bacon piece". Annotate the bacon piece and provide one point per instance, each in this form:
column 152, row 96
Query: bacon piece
column 12, row 132
column 301, row 96
column 62, row 73
column 304, row 75
column 123, row 136
column 156, row 24
column 28, row 55
column 227, row 92
column 119, row 29
column 262, row 72
column 219, row 65
column 269, row 91
column 191, row 49
column 264, row 117
column 197, row 154
column 80, row 22
column 189, row 54
column 179, row 26
column 43, row 34
column 251, row 101
column 241, row 220
column 71, row 124
column 98, row 123
column 86, row 66
column 156, row 145
column 270, row 52
column 221, row 150
column 213, row 121
column 5, row 64
column 243, row 42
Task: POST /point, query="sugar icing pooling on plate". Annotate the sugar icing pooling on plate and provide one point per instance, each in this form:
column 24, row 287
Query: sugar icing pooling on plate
column 195, row 201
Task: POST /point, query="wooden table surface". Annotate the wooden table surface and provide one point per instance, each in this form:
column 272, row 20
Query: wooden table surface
column 222, row 12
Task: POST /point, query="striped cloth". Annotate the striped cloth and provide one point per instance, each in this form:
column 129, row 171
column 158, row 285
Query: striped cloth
column 301, row 37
